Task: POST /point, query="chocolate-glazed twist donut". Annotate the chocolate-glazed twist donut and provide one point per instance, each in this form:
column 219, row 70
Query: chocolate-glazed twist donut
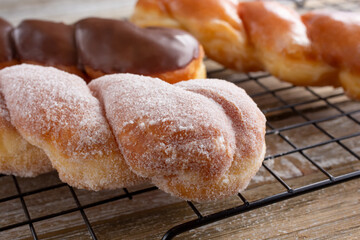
column 199, row 140
column 316, row 49
column 94, row 47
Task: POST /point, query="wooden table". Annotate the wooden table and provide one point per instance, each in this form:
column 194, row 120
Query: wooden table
column 330, row 213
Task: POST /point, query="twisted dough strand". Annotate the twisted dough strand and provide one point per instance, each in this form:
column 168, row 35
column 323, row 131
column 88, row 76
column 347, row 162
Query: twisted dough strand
column 316, row 49
column 200, row 140
column 55, row 111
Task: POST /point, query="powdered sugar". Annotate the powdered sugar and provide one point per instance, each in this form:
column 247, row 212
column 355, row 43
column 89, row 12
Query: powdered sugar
column 200, row 139
column 174, row 127
column 54, row 104
column 55, row 111
column 247, row 119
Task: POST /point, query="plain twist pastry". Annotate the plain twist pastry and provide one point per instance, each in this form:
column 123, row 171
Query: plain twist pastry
column 93, row 47
column 199, row 140
column 316, row 49
column 343, row 51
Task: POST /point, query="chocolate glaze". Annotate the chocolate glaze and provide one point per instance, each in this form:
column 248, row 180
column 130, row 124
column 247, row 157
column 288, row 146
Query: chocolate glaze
column 119, row 46
column 47, row 43
column 6, row 52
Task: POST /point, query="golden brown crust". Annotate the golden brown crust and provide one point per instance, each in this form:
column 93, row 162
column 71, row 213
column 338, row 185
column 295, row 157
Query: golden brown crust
column 153, row 13
column 342, row 51
column 17, row 156
column 344, row 31
column 280, row 39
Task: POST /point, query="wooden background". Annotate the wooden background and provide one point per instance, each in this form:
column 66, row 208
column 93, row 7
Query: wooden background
column 331, row 213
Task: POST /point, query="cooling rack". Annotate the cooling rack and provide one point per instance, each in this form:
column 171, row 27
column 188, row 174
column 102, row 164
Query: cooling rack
column 311, row 141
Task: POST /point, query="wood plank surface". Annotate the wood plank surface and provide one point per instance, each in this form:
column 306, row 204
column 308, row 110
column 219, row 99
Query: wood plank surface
column 330, row 213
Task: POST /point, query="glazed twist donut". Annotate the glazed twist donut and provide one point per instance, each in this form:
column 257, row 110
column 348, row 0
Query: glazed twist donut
column 199, row 140
column 316, row 49
column 93, row 47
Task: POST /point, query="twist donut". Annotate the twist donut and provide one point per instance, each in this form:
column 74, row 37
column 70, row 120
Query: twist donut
column 93, row 47
column 199, row 139
column 316, row 49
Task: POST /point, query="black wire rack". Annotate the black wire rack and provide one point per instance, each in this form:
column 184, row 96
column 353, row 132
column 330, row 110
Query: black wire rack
column 284, row 109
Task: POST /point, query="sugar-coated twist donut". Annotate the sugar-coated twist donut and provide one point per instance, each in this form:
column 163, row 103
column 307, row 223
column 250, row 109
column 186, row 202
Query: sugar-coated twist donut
column 316, row 49
column 199, row 140
column 93, row 47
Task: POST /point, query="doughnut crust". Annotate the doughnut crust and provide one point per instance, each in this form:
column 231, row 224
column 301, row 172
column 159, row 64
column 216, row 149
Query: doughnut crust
column 17, row 156
column 343, row 51
column 199, row 141
column 280, row 39
column 56, row 112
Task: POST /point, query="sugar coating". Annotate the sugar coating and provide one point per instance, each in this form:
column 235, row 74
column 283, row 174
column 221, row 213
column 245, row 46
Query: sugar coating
column 199, row 140
column 170, row 133
column 55, row 111
column 247, row 119
column 163, row 129
column 50, row 104
column 248, row 124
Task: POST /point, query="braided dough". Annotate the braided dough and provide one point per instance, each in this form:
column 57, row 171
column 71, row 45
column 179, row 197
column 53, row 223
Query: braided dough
column 316, row 49
column 199, row 140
